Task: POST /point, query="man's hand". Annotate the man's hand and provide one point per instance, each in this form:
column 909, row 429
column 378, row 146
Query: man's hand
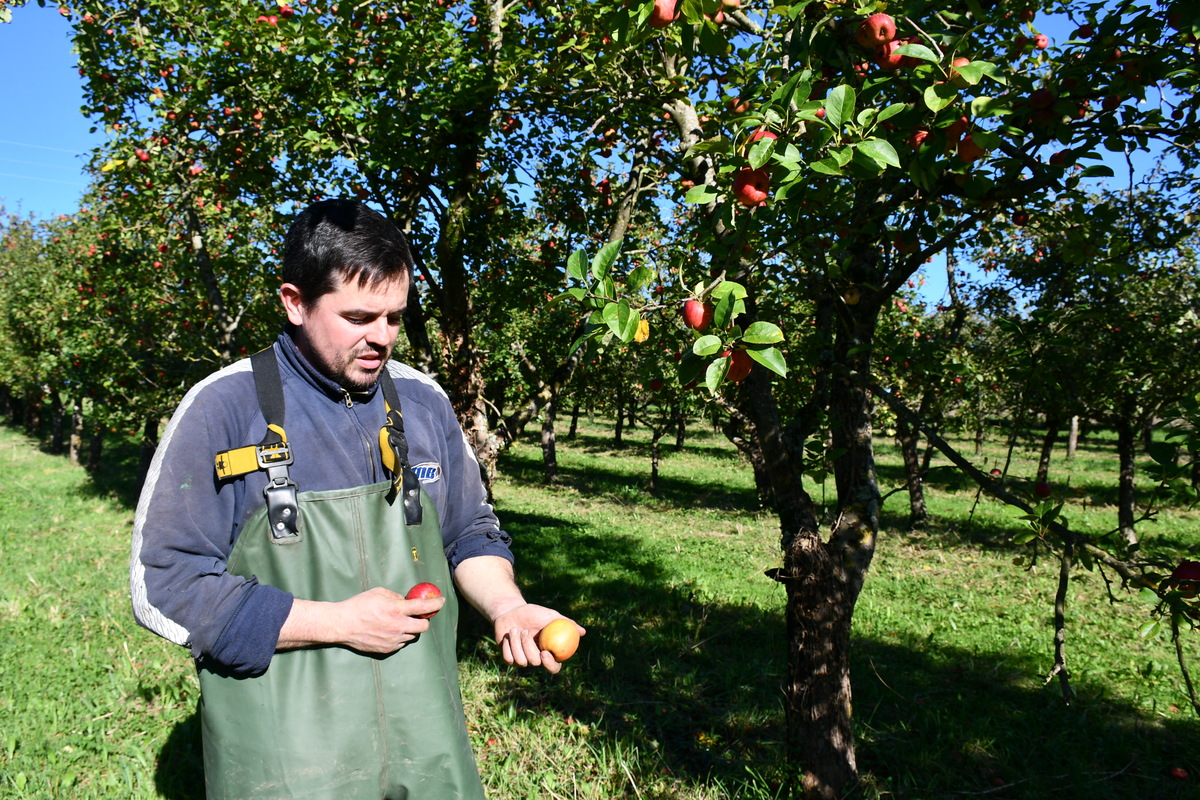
column 487, row 583
column 375, row 621
column 517, row 630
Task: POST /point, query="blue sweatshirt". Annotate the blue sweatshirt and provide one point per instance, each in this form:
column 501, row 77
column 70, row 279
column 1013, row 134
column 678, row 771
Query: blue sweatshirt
column 187, row 521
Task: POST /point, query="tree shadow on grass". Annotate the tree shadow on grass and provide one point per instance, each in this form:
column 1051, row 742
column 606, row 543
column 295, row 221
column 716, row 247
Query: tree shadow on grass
column 593, row 480
column 697, row 683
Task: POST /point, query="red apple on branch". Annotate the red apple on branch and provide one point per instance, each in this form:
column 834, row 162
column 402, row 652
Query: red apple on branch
column 751, row 186
column 697, row 315
column 875, row 30
column 664, row 13
column 1186, row 578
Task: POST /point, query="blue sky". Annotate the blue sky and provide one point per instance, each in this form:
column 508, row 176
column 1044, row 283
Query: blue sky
column 44, row 139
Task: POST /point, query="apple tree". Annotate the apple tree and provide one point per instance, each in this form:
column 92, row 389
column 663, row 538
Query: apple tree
column 836, row 152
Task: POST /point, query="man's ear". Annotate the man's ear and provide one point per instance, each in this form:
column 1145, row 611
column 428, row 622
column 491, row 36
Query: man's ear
column 293, row 305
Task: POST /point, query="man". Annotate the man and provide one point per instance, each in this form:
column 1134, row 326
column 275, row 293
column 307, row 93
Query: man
column 294, row 499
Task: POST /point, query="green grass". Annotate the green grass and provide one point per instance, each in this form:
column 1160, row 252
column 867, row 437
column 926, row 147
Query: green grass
column 675, row 690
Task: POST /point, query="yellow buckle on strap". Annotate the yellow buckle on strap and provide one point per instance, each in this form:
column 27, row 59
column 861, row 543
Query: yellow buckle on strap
column 251, row 458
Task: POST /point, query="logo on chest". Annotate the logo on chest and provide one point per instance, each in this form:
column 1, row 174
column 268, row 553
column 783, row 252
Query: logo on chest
column 428, row 472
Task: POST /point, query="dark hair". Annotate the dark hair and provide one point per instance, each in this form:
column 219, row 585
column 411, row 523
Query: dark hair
column 342, row 239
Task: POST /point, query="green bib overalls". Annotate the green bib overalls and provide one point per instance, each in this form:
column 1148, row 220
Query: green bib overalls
column 329, row 723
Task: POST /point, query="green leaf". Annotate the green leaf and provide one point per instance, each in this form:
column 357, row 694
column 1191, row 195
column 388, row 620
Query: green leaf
column 1024, row 537
column 881, row 151
column 891, row 111
column 917, row 51
column 760, row 152
column 1150, row 629
column 701, row 194
column 939, row 96
column 706, row 345
column 971, row 73
column 726, row 288
column 1097, row 171
column 771, row 358
column 1163, row 453
column 989, row 107
column 714, row 376
column 826, row 166
column 603, row 260
column 839, row 106
column 625, row 322
column 575, row 265
column 640, row 278
column 763, row 333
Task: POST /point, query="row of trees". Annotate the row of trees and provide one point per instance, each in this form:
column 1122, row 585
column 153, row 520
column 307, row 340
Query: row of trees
column 762, row 158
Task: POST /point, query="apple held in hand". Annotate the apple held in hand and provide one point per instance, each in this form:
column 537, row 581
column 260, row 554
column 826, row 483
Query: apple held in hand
column 559, row 637
column 423, row 591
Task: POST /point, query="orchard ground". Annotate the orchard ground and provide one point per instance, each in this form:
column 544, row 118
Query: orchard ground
column 674, row 692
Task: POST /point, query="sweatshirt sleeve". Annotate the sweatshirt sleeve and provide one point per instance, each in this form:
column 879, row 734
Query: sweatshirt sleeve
column 184, row 531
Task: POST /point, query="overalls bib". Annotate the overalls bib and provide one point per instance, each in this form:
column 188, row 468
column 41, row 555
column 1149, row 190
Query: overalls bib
column 329, row 723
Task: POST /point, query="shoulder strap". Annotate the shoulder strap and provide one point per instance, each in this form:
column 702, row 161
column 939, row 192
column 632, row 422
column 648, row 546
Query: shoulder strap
column 272, row 454
column 394, row 449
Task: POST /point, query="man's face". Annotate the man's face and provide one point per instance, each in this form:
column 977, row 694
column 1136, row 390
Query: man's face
column 349, row 333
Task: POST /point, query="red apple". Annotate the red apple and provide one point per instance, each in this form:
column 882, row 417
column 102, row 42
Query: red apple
column 1041, row 41
column 141, row 154
column 420, row 592
column 697, row 315
column 918, row 136
column 664, row 13
column 1020, row 218
column 886, row 57
column 751, row 186
column 1178, row 773
column 739, row 365
column 996, row 473
column 969, row 151
column 875, row 30
column 1041, row 98
column 761, row 133
column 1042, row 489
column 1084, row 32
column 1187, row 578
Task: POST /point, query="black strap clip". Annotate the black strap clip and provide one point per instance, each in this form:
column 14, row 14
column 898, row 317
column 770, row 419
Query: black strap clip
column 283, row 509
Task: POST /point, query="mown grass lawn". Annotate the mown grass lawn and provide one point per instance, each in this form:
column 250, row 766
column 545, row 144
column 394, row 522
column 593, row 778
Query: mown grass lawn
column 675, row 690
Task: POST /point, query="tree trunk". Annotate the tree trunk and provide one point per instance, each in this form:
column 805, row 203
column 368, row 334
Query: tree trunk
column 33, row 412
column 574, row 421
column 1073, row 438
column 680, row 427
column 58, row 422
column 76, row 447
column 655, row 454
column 619, row 431
column 979, row 441
column 1053, row 426
column 95, row 448
column 1126, row 447
column 823, row 579
column 549, row 451
column 908, row 437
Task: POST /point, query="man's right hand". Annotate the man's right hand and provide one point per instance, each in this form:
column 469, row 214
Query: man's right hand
column 375, row 621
